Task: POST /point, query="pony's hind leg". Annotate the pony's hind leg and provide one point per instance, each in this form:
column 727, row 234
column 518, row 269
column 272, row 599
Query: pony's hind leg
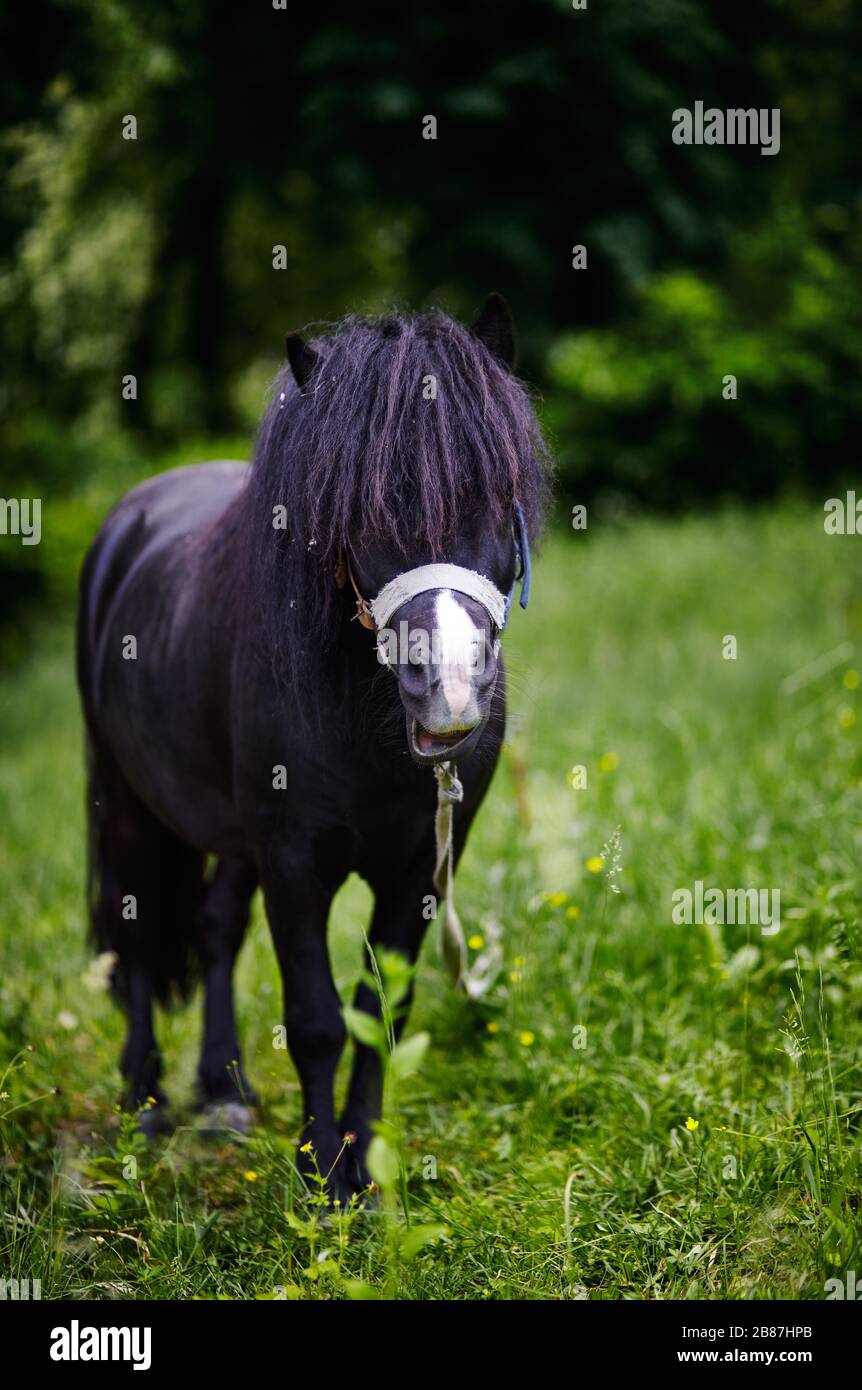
column 145, row 891
column 225, row 1095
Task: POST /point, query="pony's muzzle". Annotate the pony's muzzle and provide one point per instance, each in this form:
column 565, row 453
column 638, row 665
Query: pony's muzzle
column 441, row 649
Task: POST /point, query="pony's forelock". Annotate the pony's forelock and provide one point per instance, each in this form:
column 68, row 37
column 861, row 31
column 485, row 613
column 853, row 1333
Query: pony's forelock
column 407, row 425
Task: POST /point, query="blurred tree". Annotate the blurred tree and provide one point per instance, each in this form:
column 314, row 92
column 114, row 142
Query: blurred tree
column 260, row 127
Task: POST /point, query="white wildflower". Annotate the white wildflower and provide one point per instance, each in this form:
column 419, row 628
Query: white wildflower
column 612, row 854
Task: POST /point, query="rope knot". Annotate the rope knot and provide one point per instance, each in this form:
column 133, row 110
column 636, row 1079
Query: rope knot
column 449, row 785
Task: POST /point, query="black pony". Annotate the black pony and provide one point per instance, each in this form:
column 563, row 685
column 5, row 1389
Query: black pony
column 236, row 707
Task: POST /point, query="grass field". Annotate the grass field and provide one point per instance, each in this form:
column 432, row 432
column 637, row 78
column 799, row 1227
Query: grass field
column 701, row 1137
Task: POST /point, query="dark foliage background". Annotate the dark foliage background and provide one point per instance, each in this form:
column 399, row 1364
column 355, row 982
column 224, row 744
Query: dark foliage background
column 302, row 127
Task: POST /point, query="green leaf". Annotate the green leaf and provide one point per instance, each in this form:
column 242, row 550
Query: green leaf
column 408, row 1055
column 364, row 1028
column 356, row 1289
column 383, row 1162
column 296, row 1223
column 418, row 1237
column 397, row 973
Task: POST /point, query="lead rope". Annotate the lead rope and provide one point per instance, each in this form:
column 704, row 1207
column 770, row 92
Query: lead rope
column 453, row 948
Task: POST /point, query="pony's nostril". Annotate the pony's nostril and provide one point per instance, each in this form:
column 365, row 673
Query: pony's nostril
column 414, row 681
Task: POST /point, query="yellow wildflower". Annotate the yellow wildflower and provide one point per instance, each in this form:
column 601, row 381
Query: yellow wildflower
column 595, row 863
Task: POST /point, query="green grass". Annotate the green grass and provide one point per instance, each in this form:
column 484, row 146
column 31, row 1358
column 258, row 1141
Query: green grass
column 561, row 1171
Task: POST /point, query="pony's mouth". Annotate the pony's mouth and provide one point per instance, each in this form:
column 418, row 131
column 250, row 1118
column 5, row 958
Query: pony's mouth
column 430, row 747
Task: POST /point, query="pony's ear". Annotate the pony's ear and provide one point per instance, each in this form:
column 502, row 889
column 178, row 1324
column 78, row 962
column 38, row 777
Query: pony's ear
column 302, row 358
column 495, row 328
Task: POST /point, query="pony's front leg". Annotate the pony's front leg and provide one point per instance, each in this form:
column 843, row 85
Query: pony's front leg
column 399, row 923
column 297, row 905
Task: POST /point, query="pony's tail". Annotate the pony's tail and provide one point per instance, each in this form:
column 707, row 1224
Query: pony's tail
column 145, row 888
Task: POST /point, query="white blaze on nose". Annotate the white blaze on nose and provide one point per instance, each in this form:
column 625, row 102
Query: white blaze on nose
column 458, row 644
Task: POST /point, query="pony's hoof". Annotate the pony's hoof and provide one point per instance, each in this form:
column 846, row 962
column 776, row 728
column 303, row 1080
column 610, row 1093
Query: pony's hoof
column 153, row 1120
column 343, row 1197
column 226, row 1117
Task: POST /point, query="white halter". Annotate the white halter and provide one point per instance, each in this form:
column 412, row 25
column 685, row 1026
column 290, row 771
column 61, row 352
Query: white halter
column 419, row 581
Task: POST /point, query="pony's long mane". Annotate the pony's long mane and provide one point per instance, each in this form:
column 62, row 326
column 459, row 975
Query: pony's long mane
column 365, row 454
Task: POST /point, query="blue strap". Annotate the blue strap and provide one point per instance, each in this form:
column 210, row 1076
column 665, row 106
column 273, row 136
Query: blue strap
column 523, row 567
column 522, row 547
